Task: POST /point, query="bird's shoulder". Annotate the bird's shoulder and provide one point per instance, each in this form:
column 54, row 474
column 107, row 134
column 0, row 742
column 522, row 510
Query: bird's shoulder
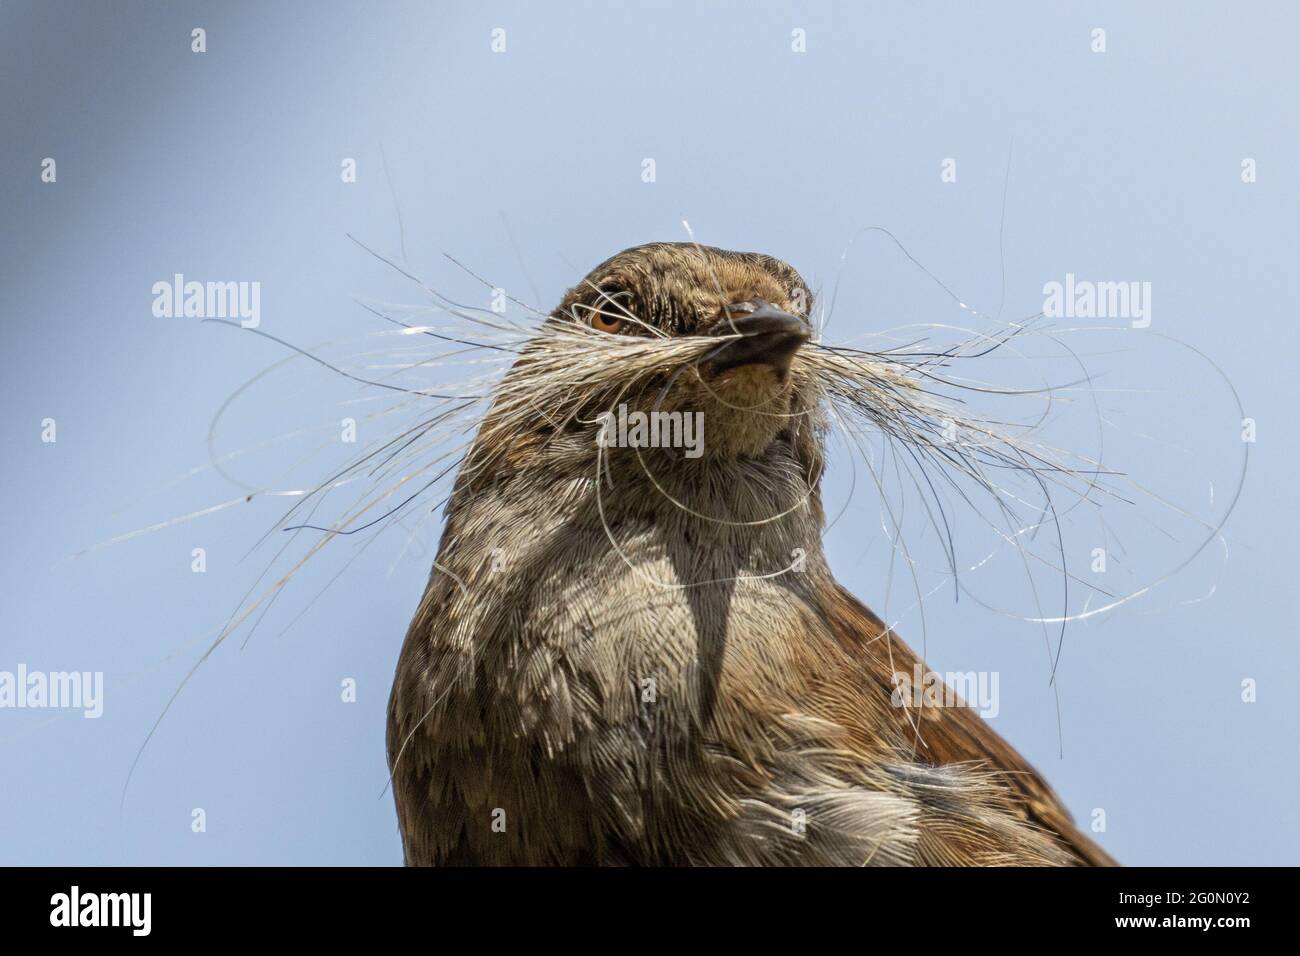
column 949, row 735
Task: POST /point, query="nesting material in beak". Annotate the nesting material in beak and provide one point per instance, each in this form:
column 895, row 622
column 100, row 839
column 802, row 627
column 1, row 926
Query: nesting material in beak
column 769, row 336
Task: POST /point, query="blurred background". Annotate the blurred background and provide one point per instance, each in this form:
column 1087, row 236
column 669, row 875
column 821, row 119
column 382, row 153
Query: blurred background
column 785, row 128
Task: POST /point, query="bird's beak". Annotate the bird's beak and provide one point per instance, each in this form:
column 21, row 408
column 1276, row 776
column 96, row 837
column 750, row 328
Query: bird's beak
column 769, row 336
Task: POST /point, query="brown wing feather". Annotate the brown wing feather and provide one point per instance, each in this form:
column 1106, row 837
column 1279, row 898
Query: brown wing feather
column 955, row 734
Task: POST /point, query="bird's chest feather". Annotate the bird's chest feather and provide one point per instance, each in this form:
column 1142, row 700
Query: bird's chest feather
column 548, row 623
column 587, row 622
column 567, row 656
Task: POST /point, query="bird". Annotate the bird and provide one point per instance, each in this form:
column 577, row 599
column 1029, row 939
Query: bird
column 636, row 655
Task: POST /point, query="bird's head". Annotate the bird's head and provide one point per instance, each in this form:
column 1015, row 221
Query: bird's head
column 675, row 353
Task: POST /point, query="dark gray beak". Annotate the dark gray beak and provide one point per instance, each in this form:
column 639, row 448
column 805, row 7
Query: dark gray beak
column 770, row 336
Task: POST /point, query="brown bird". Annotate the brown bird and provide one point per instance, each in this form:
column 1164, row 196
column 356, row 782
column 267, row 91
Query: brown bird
column 631, row 654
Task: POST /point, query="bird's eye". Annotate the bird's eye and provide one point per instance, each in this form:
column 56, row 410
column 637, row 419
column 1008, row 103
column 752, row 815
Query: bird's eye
column 605, row 315
column 603, row 322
